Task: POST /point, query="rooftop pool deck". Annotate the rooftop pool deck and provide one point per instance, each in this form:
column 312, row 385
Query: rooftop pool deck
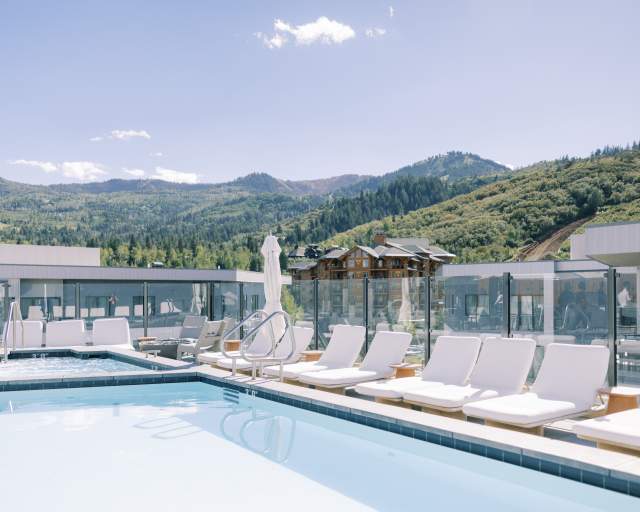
column 583, row 463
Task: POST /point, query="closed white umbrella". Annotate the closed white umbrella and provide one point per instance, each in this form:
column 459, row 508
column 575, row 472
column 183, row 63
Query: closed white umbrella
column 273, row 282
column 404, row 313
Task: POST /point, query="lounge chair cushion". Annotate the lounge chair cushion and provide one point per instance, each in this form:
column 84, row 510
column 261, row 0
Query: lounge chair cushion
column 111, row 331
column 65, row 333
column 387, row 348
column 452, row 361
column 522, row 410
column 394, row 388
column 293, row 371
column 620, row 428
column 341, row 377
column 213, row 357
column 344, row 346
column 32, row 334
column 448, row 397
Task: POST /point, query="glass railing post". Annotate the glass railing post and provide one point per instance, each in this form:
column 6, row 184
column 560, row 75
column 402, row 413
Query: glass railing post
column 506, row 305
column 316, row 315
column 427, row 318
column 210, row 310
column 76, row 301
column 5, row 309
column 145, row 308
column 612, row 337
column 365, row 298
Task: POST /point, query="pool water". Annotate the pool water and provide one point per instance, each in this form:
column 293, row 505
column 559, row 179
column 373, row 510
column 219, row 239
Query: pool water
column 193, row 446
column 39, row 366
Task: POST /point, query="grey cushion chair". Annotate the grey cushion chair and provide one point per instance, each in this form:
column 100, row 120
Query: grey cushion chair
column 210, row 335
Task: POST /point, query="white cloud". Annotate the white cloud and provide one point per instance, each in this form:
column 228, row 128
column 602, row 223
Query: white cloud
column 83, row 171
column 375, row 32
column 136, row 173
column 392, row 11
column 45, row 166
column 175, row 176
column 123, row 135
column 156, row 155
column 323, row 30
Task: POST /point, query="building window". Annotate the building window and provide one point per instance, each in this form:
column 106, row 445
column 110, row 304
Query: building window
column 365, row 263
column 351, row 263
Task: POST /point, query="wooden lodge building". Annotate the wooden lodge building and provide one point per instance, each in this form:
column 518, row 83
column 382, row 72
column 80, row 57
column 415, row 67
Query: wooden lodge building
column 390, row 258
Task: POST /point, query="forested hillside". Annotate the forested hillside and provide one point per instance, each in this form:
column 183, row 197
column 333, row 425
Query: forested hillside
column 136, row 222
column 494, row 221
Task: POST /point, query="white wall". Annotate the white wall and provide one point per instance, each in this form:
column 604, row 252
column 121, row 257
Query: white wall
column 11, row 254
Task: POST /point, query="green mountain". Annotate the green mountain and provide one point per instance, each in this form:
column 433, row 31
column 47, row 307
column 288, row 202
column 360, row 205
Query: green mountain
column 207, row 225
column 452, row 166
column 493, row 222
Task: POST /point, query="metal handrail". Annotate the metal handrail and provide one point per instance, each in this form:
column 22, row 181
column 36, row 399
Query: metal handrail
column 14, row 309
column 270, row 356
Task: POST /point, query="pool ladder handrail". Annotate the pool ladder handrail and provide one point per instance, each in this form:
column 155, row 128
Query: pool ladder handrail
column 247, row 338
column 14, row 309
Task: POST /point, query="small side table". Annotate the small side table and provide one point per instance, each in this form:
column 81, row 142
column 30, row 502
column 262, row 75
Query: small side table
column 621, row 398
column 405, row 370
column 312, row 355
column 232, row 345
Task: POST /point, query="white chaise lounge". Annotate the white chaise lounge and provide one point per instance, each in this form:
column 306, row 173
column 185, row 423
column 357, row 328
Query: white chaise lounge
column 387, row 348
column 112, row 331
column 210, row 334
column 567, row 385
column 32, row 334
column 65, row 333
column 501, row 369
column 341, row 352
column 613, row 431
column 303, row 336
column 451, row 362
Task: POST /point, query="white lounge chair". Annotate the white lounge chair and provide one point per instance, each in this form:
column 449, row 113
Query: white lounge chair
column 65, row 333
column 566, row 386
column 192, row 326
column 210, row 333
column 303, row 336
column 387, row 348
column 341, row 352
column 35, row 313
column 451, row 362
column 69, row 311
column 57, row 312
column 501, row 369
column 112, row 331
column 32, row 334
column 613, row 431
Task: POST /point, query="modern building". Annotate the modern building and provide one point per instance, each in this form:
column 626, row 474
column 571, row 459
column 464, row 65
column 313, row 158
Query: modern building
column 390, row 258
column 54, row 283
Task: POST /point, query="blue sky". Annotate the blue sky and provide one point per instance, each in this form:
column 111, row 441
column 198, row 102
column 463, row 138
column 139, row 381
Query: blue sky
column 209, row 91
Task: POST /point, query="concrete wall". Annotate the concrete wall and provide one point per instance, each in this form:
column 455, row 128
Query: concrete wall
column 11, row 254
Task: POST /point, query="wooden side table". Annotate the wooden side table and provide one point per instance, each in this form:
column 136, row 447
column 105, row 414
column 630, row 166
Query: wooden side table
column 232, row 345
column 312, row 355
column 621, row 398
column 405, row 370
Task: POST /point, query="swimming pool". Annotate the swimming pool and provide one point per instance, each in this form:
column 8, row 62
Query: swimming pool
column 194, row 446
column 39, row 364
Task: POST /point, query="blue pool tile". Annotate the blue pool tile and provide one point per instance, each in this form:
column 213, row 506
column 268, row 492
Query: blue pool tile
column 420, row 434
column 616, row 484
column 406, row 431
column 570, row 472
column 512, row 458
column 531, row 462
column 550, row 467
column 446, row 441
column 459, row 444
column 478, row 449
column 494, row 453
column 432, row 437
column 591, row 478
column 634, row 489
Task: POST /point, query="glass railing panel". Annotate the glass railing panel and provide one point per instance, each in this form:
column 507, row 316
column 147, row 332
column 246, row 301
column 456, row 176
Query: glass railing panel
column 340, row 301
column 104, row 299
column 398, row 304
column 226, row 301
column 169, row 305
column 627, row 308
column 466, row 306
column 44, row 299
column 253, row 297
